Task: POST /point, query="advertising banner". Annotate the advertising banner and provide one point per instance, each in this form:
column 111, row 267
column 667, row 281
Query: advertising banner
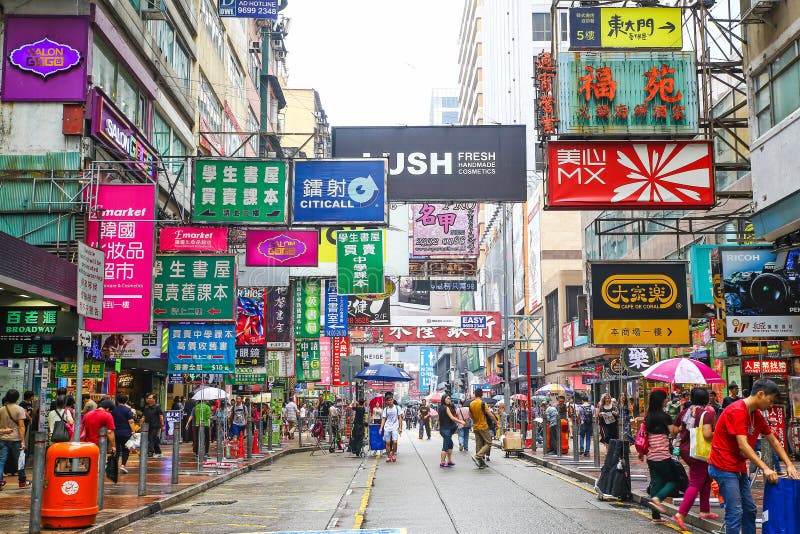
column 340, row 192
column 374, row 355
column 307, row 301
column 639, row 303
column 359, row 262
column 206, row 349
column 250, row 321
column 126, row 235
column 279, row 316
column 240, row 191
column 444, row 285
column 139, row 346
column 443, row 163
column 248, row 375
column 533, row 277
column 426, row 357
column 442, row 335
column 90, row 369
column 251, row 9
column 364, row 312
column 761, row 292
column 172, row 420
column 627, row 93
column 250, row 356
column 307, row 354
column 336, row 308
column 91, row 279
column 445, row 229
column 325, row 349
column 765, row 367
column 194, row 287
column 32, row 348
column 597, row 175
column 282, row 248
column 45, row 59
column 544, row 72
column 700, row 266
column 341, row 349
column 193, row 239
column 625, row 27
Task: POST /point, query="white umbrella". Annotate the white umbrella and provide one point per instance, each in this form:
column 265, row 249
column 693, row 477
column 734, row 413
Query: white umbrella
column 209, row 393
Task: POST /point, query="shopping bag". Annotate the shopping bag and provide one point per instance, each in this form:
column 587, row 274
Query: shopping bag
column 21, row 461
column 699, row 446
column 134, row 441
column 112, row 469
column 642, row 443
column 781, row 513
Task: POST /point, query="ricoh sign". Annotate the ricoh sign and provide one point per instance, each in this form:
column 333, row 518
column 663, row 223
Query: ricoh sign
column 443, row 163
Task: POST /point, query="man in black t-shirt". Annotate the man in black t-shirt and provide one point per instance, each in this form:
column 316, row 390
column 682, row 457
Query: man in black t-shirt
column 424, row 414
column 154, row 417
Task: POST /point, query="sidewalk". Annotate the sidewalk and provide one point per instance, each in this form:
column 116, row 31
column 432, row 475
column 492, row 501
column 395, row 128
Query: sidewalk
column 121, row 503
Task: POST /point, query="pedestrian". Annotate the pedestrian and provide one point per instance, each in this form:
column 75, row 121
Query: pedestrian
column 290, row 412
column 408, row 416
column 359, row 422
column 88, row 404
column 698, row 415
column 60, row 392
column 736, row 432
column 391, row 428
column 201, row 417
column 608, row 415
column 424, row 419
column 733, row 395
column 123, row 429
column 625, row 416
column 463, row 429
column 663, row 478
column 59, row 412
column 551, row 415
column 92, row 422
column 12, row 435
column 674, row 406
column 480, row 425
column 585, row 426
column 714, row 402
column 333, row 417
column 448, row 422
column 177, row 404
column 238, row 418
column 154, row 417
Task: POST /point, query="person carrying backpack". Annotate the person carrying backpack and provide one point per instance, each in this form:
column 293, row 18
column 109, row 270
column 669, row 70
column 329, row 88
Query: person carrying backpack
column 585, row 415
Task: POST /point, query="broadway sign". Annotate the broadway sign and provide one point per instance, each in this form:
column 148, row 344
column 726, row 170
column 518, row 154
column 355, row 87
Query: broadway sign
column 442, row 335
column 598, row 175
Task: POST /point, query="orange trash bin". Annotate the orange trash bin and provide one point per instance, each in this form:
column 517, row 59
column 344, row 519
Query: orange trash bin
column 564, row 436
column 69, row 498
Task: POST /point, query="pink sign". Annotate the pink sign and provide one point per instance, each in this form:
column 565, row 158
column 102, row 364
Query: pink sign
column 123, row 227
column 445, row 229
column 193, row 238
column 282, row 248
column 325, row 360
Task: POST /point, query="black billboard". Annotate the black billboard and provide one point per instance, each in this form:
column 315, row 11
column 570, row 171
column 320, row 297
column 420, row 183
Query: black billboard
column 443, row 163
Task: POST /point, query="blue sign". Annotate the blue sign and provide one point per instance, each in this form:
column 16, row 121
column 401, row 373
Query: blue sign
column 252, row 9
column 426, row 356
column 207, row 349
column 335, row 311
column 475, row 322
column 340, row 191
column 700, row 265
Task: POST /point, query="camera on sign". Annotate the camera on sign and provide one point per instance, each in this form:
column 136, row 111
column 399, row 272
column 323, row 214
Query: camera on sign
column 769, row 291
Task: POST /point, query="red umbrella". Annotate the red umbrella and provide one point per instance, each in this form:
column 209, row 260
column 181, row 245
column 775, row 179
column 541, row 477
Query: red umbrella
column 436, row 396
column 519, row 397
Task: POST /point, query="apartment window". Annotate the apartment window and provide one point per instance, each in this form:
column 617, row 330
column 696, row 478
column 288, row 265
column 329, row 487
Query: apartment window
column 213, row 26
column 542, row 29
column 449, row 101
column 776, row 89
column 252, row 128
column 231, row 139
column 450, row 117
column 572, row 301
column 235, row 75
column 168, row 143
column 173, row 49
column 115, row 80
column 553, row 329
column 564, row 28
column 254, row 68
column 210, row 106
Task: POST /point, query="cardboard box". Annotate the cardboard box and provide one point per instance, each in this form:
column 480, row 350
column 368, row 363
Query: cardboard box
column 512, row 441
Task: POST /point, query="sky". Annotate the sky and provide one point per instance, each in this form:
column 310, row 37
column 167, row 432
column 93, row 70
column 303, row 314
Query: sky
column 373, row 62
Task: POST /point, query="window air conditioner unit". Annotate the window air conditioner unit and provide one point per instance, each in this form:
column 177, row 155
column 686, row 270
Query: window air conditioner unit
column 758, row 8
column 255, row 47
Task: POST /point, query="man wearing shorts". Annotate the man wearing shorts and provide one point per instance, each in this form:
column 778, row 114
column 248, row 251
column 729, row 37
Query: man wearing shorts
column 391, row 428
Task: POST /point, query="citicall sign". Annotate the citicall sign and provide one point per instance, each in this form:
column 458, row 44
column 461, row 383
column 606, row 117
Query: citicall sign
column 639, row 291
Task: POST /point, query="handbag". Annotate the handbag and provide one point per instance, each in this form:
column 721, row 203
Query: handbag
column 781, row 503
column 112, row 469
column 642, row 443
column 681, row 478
column 699, row 446
column 60, row 432
column 21, row 461
column 134, row 441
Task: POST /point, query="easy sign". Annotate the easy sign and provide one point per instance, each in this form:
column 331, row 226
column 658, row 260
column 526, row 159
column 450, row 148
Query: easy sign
column 476, row 322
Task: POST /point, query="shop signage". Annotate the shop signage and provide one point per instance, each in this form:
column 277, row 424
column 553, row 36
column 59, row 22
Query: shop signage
column 279, row 334
column 444, row 285
column 441, row 335
column 627, row 93
column 336, row 308
column 240, row 191
column 765, row 367
column 307, row 354
column 475, row 322
column 637, row 359
column 445, row 229
column 280, row 364
column 363, row 312
column 16, row 323
column 374, row 355
column 307, row 301
column 30, row 348
column 625, row 174
column 194, row 287
column 700, row 266
column 90, row 370
column 625, row 27
column 776, row 416
column 426, row 357
column 282, row 248
column 123, row 346
column 443, row 163
column 544, row 71
column 123, row 226
column 251, row 9
column 125, row 379
column 47, row 59
column 201, row 349
column 193, row 239
column 639, row 303
column 341, row 349
column 172, row 421
column 250, row 321
column 248, row 375
column 325, row 355
column 340, row 192
column 359, row 262
column 91, row 277
column 250, row 356
column 450, row 267
column 568, row 335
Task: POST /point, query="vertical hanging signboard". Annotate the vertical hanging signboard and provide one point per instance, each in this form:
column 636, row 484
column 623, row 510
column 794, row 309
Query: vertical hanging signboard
column 359, row 262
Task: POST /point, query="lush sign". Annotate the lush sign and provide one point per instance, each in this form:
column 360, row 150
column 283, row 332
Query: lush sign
column 625, row 27
column 359, row 262
column 194, row 287
column 201, row 349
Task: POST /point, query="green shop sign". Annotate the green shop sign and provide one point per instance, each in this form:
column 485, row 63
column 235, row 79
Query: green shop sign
column 18, row 323
column 359, row 262
column 194, row 287
column 307, row 356
column 307, row 308
column 240, row 191
column 248, row 375
column 90, row 369
column 30, row 348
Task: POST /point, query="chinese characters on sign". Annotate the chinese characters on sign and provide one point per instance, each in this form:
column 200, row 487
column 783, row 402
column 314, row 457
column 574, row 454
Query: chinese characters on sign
column 278, row 318
column 445, row 285
column 359, row 262
column 308, row 361
column 29, row 348
column 544, row 71
column 193, row 239
column 250, row 327
column 625, row 27
column 201, row 349
column 426, row 357
column 766, row 367
column 307, row 303
column 438, row 335
column 341, row 349
column 240, row 191
column 637, row 359
column 90, row 370
column 91, row 279
column 194, row 287
column 282, row 248
column 445, row 229
column 366, row 312
column 335, row 311
column 19, row 323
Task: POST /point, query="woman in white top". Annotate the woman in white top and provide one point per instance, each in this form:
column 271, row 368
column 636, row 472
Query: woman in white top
column 60, row 412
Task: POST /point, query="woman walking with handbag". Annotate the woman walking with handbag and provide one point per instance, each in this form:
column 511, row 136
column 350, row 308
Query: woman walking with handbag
column 697, row 419
column 608, row 414
column 448, row 422
column 663, row 481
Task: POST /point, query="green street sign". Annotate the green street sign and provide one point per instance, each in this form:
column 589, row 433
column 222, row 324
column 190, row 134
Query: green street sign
column 194, row 287
column 248, row 375
column 307, row 356
column 307, row 308
column 239, row 191
column 359, row 262
column 90, row 369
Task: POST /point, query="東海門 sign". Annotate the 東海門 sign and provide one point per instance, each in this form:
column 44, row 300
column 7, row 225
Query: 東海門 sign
column 625, row 27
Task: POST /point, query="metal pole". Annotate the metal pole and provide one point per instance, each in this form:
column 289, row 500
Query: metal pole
column 299, row 433
column 37, row 488
column 201, row 444
column 176, row 451
column 263, row 89
column 220, row 433
column 76, row 436
column 596, row 440
column 506, row 233
column 261, row 432
column 143, row 451
column 530, row 401
column 269, row 432
column 248, row 438
column 576, row 455
column 101, row 466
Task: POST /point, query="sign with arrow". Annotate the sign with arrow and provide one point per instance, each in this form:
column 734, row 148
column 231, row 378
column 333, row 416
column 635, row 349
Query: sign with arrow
column 592, row 28
column 194, row 287
column 201, row 349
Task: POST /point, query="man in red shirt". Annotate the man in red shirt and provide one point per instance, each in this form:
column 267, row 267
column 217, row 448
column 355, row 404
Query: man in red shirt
column 737, row 430
column 93, row 421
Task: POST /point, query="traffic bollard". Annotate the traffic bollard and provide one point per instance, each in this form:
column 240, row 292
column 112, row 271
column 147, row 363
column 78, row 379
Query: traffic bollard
column 260, row 435
column 300, row 433
column 101, row 466
column 248, row 438
column 269, row 432
column 524, row 433
column 576, row 453
column 144, row 449
column 220, row 436
column 558, row 437
column 37, row 488
column 201, row 446
column 596, row 441
column 176, row 454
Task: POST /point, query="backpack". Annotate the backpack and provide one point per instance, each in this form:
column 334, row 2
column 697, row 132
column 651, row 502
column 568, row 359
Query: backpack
column 60, row 433
column 585, row 414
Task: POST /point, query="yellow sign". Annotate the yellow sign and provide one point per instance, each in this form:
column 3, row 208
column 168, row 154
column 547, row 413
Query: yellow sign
column 626, row 27
column 641, row 332
column 639, row 291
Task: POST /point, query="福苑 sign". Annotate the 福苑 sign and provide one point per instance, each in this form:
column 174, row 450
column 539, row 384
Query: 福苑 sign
column 641, row 303
column 637, row 359
column 599, row 175
column 340, row 192
column 251, row 9
column 625, row 27
column 445, row 229
column 765, row 367
column 124, row 346
column 239, row 191
column 309, row 366
column 359, row 262
column 443, row 163
column 279, row 334
column 45, row 58
column 335, row 311
column 307, row 301
column 91, row 279
column 633, row 92
column 250, row 321
column 364, row 312
column 443, row 335
column 282, row 248
column 340, row 349
column 544, row 71
column 194, row 287
column 201, row 349
column 90, row 370
column 123, row 227
column 193, row 239
column 30, row 323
